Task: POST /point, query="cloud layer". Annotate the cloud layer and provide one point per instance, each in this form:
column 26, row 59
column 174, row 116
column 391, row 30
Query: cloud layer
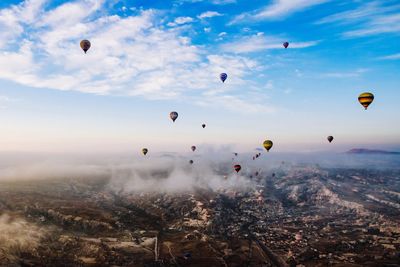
column 131, row 56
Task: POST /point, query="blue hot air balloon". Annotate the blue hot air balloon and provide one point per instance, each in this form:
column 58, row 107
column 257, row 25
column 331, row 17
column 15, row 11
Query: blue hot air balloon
column 223, row 77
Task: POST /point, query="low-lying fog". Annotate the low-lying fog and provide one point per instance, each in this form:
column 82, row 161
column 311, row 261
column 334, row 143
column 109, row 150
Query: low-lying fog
column 172, row 172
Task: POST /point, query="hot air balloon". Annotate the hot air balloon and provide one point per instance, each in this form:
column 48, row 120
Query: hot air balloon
column 366, row 99
column 223, row 77
column 237, row 167
column 235, row 154
column 285, row 45
column 257, row 156
column 144, row 151
column 85, row 45
column 191, row 161
column 330, row 138
column 173, row 115
column 193, row 148
column 268, row 144
column 203, row 125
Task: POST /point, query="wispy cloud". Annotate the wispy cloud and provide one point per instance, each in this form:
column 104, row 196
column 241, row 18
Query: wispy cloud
column 391, row 57
column 279, row 9
column 348, row 74
column 215, row 2
column 261, row 42
column 378, row 25
column 368, row 19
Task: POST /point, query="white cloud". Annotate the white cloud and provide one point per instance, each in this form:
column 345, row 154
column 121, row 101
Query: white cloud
column 181, row 21
column 279, row 9
column 209, row 14
column 348, row 74
column 391, row 57
column 261, row 42
column 131, row 56
column 379, row 25
column 371, row 18
column 215, row 2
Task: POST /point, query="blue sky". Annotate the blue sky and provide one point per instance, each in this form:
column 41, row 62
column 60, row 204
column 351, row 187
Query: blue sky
column 152, row 57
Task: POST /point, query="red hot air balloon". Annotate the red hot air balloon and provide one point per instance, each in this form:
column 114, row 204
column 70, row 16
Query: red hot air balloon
column 193, row 148
column 285, row 45
column 237, row 167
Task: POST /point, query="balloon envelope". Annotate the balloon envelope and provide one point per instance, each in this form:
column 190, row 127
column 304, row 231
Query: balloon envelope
column 203, row 125
column 268, row 144
column 365, row 99
column 285, row 45
column 193, row 148
column 85, row 45
column 191, row 161
column 173, row 115
column 144, row 151
column 223, row 77
column 330, row 138
column 237, row 167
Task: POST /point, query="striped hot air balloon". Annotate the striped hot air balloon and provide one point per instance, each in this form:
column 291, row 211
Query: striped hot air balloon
column 366, row 99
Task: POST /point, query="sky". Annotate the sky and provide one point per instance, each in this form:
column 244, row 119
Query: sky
column 149, row 58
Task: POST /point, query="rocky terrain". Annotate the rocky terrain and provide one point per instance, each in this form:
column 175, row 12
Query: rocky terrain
column 295, row 216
